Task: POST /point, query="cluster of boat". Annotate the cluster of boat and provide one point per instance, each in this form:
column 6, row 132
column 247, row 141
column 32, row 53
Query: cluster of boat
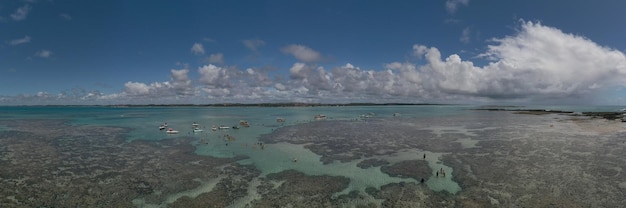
column 169, row 130
column 196, row 127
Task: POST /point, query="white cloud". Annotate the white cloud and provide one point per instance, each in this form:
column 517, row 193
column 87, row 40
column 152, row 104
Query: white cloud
column 217, row 58
column 18, row 41
column 465, row 35
column 21, row 13
column 179, row 85
column 214, row 76
column 537, row 62
column 253, row 44
column 65, row 16
column 419, row 50
column 137, row 88
column 302, row 53
column 197, row 49
column 453, row 5
column 44, row 53
column 534, row 64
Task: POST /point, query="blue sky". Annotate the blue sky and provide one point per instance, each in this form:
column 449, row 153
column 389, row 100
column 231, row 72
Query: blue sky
column 447, row 51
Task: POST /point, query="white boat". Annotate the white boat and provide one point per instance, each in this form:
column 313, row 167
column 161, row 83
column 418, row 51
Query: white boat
column 195, row 125
column 214, row 128
column 197, row 130
column 163, row 126
column 171, row 131
column 320, row 117
column 224, row 127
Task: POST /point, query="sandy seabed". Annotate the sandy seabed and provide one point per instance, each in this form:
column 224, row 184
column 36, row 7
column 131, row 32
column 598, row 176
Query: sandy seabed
column 498, row 159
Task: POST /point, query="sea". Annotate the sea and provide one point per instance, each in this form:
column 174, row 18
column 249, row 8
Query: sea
column 446, row 138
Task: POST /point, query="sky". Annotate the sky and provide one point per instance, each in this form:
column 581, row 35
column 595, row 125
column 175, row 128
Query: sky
column 107, row 52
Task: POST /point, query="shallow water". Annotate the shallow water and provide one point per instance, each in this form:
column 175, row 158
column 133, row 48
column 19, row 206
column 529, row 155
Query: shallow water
column 450, row 136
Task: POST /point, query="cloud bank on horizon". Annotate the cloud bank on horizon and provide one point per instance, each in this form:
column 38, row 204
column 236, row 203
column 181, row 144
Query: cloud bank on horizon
column 535, row 63
column 538, row 62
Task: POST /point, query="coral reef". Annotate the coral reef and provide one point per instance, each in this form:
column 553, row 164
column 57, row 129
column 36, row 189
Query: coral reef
column 295, row 189
column 416, row 169
column 48, row 163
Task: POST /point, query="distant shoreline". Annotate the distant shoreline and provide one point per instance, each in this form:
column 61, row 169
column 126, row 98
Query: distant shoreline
column 248, row 105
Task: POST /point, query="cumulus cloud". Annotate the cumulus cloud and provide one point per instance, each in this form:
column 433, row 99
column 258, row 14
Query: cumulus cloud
column 419, row 50
column 179, row 85
column 232, row 83
column 21, row 13
column 536, row 63
column 44, row 53
column 217, row 58
column 453, row 5
column 197, row 49
column 302, row 53
column 18, row 41
column 253, row 44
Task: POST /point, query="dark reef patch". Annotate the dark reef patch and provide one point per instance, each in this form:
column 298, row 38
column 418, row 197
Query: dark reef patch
column 48, row 163
column 291, row 188
column 416, row 169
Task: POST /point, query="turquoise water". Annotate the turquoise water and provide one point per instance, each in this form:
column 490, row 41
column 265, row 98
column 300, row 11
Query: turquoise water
column 144, row 123
column 449, row 124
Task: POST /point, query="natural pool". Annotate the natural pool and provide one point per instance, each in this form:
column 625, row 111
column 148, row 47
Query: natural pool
column 117, row 157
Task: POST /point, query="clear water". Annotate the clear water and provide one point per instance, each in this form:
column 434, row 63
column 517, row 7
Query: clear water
column 144, row 122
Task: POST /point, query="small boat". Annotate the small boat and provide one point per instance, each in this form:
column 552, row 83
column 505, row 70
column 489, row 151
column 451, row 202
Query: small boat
column 171, row 131
column 280, row 120
column 163, row 126
column 320, row 117
column 197, row 130
column 396, row 114
column 235, row 127
column 244, row 123
column 214, row 128
column 195, row 125
column 224, row 127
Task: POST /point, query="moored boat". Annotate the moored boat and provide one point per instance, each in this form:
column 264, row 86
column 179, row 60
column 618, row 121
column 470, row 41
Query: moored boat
column 320, row 117
column 171, row 131
column 244, row 123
